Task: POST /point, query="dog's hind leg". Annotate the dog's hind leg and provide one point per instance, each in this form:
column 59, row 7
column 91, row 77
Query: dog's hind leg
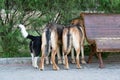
column 41, row 63
column 32, row 54
column 77, row 49
column 32, row 57
column 76, row 44
column 55, row 67
column 66, row 39
column 77, row 58
column 82, row 55
column 35, row 61
column 47, row 60
column 82, row 46
column 72, row 55
column 54, row 45
column 36, row 51
column 59, row 56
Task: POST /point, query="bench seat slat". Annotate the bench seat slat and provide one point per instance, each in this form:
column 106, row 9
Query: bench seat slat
column 108, row 45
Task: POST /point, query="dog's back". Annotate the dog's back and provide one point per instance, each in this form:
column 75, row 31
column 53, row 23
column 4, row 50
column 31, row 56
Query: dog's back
column 35, row 44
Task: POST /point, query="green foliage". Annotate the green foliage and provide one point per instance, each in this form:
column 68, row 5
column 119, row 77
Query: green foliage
column 11, row 42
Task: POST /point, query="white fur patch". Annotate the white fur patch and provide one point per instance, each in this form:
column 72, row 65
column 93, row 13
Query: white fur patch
column 23, row 30
column 35, row 61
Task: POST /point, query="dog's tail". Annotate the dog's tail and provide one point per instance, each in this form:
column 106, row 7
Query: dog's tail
column 25, row 33
column 68, row 38
column 81, row 31
column 48, row 35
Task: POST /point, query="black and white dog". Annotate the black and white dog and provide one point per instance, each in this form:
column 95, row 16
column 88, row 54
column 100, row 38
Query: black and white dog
column 34, row 45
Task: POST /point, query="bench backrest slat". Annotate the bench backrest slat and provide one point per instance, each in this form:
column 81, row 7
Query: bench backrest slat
column 101, row 25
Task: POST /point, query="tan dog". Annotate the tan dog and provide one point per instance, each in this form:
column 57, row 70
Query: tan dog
column 73, row 37
column 79, row 22
column 51, row 38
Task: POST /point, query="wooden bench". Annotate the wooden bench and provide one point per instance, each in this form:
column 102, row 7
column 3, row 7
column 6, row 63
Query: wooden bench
column 102, row 33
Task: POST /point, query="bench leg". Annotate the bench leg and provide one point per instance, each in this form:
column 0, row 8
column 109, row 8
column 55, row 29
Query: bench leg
column 101, row 65
column 91, row 54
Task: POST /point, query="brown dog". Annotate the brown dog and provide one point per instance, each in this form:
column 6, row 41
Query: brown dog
column 51, row 39
column 73, row 37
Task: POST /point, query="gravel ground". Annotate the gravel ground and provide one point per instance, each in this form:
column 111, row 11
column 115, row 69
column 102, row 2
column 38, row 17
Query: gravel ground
column 88, row 72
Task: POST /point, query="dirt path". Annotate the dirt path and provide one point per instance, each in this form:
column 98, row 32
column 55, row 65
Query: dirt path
column 88, row 72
